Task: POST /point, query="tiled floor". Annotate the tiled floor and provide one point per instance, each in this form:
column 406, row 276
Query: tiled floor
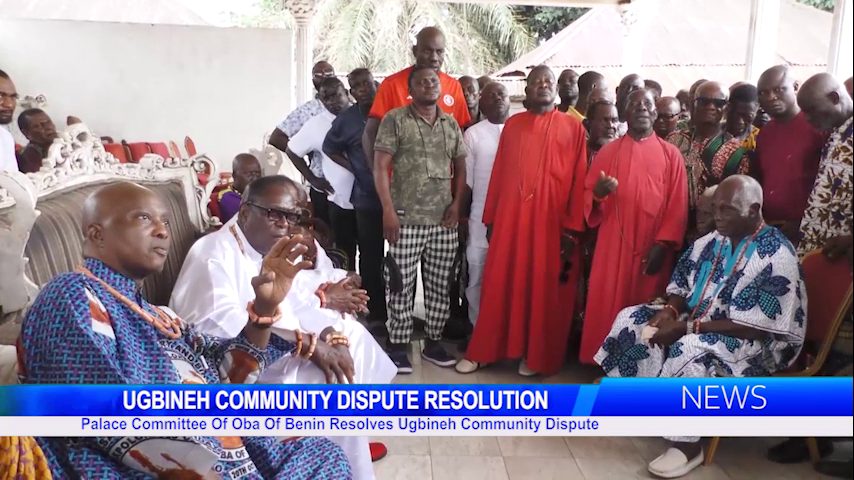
column 556, row 458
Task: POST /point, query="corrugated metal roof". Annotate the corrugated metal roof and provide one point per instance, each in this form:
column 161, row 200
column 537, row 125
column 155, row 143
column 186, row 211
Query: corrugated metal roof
column 170, row 12
column 682, row 40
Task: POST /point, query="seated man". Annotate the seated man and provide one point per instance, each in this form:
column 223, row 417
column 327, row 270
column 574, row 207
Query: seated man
column 244, row 168
column 94, row 326
column 736, row 307
column 39, row 129
column 214, row 287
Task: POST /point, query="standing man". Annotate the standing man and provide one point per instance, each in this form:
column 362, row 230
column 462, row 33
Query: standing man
column 709, row 155
column 481, row 143
column 567, row 90
column 39, row 129
column 788, row 150
column 669, row 109
column 601, row 123
column 587, row 83
column 637, row 196
column 741, row 113
column 423, row 148
column 429, row 51
column 291, row 125
column 827, row 225
column 244, row 169
column 8, row 102
column 343, row 144
column 309, row 139
column 534, row 216
column 471, row 90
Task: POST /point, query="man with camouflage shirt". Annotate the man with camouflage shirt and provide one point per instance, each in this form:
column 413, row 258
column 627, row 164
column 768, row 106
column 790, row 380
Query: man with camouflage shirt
column 423, row 149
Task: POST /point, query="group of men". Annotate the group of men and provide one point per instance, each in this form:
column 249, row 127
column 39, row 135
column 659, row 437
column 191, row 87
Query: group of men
column 681, row 219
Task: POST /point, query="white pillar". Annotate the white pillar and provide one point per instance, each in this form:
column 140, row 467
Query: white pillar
column 839, row 61
column 762, row 34
column 303, row 11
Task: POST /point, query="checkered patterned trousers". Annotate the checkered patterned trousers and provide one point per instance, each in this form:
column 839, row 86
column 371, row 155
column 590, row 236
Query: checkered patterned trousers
column 435, row 247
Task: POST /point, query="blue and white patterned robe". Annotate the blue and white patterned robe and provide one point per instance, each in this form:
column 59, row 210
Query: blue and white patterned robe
column 77, row 332
column 765, row 292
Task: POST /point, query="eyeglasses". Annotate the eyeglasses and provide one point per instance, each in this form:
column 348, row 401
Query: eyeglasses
column 666, row 117
column 706, row 101
column 292, row 217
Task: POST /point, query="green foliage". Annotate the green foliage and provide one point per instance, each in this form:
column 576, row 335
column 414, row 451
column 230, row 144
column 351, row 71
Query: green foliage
column 544, row 22
column 826, row 5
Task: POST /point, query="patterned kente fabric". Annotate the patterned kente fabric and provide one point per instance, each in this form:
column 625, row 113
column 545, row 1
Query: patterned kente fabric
column 77, row 332
column 764, row 291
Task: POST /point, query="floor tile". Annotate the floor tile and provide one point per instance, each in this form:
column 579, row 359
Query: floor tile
column 628, row 466
column 405, row 445
column 468, row 468
column 440, row 375
column 533, row 447
column 404, row 467
column 601, row 447
column 542, row 468
column 464, row 446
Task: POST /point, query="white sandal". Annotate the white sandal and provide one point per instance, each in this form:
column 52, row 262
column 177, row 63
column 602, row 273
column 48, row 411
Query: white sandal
column 674, row 464
column 467, row 366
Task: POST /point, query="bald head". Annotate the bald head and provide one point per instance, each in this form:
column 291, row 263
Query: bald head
column 600, row 95
column 319, row 71
column 429, row 49
column 738, row 206
column 628, row 84
column 778, row 92
column 126, row 226
column 709, row 102
column 587, row 82
column 483, row 81
column 825, row 102
column 244, row 169
column 540, row 89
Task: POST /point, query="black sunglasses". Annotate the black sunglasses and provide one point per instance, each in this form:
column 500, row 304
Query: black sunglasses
column 717, row 102
column 292, row 217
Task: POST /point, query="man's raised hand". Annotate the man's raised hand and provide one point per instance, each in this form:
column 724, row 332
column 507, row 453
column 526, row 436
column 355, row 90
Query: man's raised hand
column 278, row 270
column 605, row 185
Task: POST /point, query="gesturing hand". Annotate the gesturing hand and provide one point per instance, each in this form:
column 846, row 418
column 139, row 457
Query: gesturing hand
column 278, row 270
column 605, row 185
column 323, row 185
column 346, row 297
column 335, row 362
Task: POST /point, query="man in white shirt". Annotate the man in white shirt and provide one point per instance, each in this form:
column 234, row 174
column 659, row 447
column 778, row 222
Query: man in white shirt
column 309, row 140
column 292, row 124
column 214, row 287
column 8, row 102
column 481, row 140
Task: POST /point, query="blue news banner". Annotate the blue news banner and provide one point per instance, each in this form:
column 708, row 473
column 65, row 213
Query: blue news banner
column 636, row 406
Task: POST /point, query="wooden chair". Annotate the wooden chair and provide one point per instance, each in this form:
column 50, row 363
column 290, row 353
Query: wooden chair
column 829, row 294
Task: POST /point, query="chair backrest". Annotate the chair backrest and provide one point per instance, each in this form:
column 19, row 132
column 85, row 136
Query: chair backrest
column 159, row 148
column 829, row 293
column 137, row 150
column 174, row 150
column 189, row 146
column 118, row 151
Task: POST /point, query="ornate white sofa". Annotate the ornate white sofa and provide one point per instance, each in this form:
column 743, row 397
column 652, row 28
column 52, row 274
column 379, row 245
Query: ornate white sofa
column 40, row 217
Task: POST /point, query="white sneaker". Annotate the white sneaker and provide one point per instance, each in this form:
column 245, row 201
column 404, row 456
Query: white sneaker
column 466, row 366
column 674, row 464
column 524, row 370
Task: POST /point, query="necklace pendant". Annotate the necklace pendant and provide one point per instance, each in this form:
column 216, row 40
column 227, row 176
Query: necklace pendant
column 529, row 197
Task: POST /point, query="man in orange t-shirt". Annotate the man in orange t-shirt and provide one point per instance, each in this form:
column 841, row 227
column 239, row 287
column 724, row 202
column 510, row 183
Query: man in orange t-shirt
column 429, row 50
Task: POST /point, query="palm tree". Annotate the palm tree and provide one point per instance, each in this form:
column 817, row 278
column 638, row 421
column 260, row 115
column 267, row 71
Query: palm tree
column 378, row 34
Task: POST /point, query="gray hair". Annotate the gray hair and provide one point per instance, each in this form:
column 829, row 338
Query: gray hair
column 749, row 193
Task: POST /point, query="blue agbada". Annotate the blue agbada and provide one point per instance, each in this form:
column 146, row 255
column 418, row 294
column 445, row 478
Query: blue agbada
column 78, row 332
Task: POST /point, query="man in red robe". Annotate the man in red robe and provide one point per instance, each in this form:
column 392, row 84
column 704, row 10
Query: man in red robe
column 641, row 223
column 533, row 213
